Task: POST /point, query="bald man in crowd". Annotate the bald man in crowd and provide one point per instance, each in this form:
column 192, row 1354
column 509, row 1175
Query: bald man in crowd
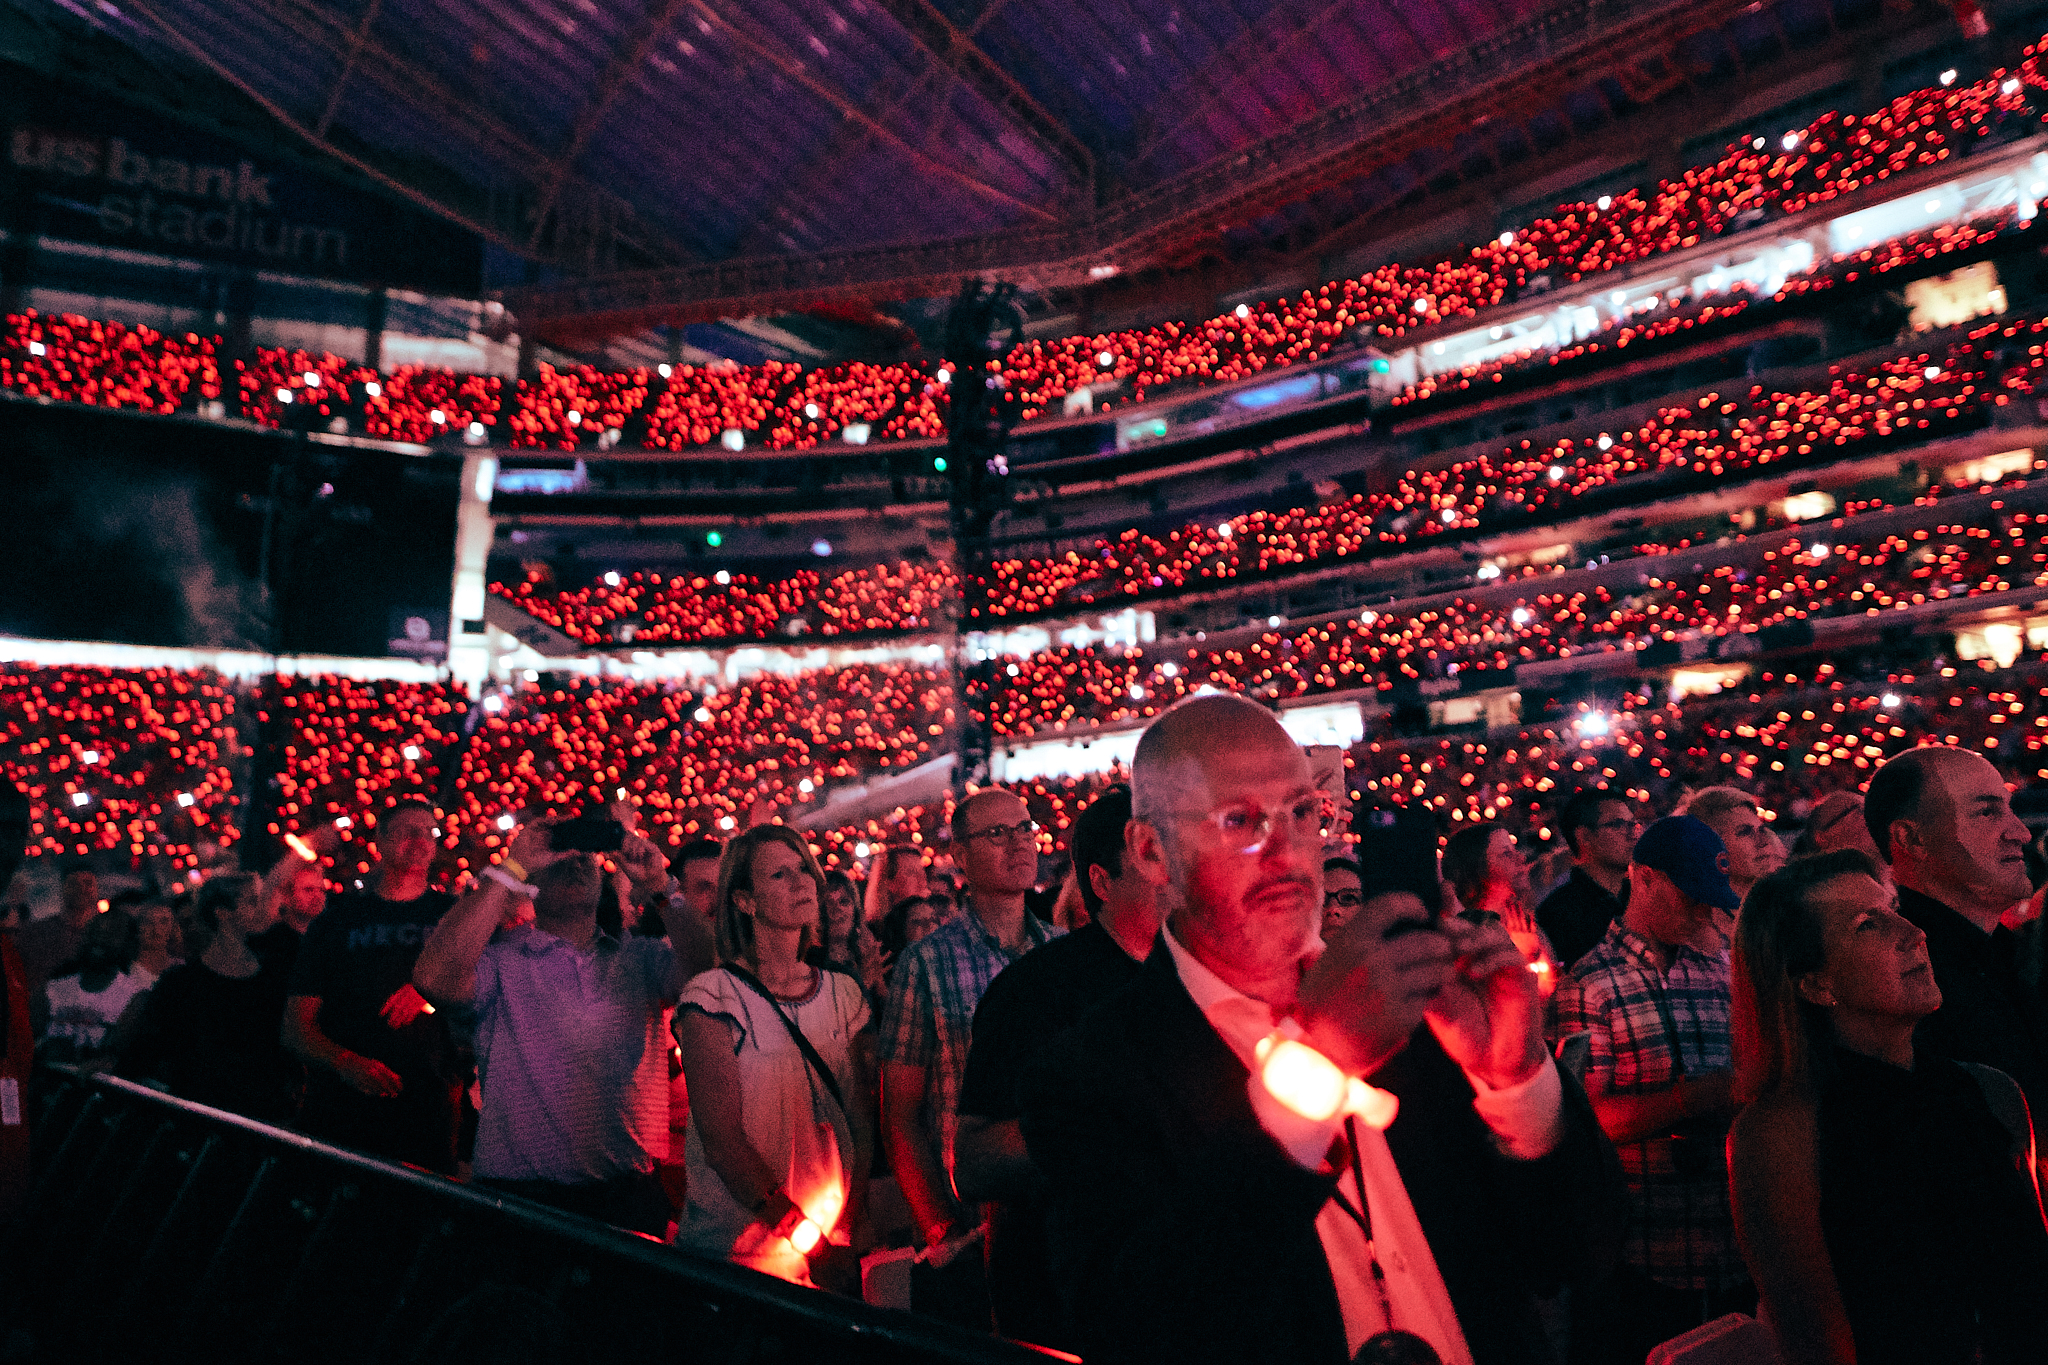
column 1205, row 1207
column 933, row 990
column 1942, row 818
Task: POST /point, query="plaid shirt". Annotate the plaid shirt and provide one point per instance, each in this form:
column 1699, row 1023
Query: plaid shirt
column 929, row 1019
column 1649, row 1028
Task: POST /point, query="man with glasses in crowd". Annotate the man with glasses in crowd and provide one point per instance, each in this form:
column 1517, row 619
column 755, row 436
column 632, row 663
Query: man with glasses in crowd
column 928, row 1021
column 1601, row 828
column 1221, row 1188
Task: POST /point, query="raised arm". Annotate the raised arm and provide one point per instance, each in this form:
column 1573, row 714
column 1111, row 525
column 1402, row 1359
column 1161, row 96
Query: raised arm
column 446, row 969
column 1774, row 1181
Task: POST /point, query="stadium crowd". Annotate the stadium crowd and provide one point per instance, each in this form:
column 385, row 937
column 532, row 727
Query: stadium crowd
column 1916, row 396
column 781, row 405
column 709, row 1040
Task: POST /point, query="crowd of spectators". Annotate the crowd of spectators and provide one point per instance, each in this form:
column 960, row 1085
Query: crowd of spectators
column 787, row 406
column 1915, row 395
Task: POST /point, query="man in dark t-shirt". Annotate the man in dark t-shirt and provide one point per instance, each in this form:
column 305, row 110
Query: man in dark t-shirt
column 1024, row 1009
column 382, row 1071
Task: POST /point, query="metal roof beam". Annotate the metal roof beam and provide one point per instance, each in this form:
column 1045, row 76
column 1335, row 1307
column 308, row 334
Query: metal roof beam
column 957, row 53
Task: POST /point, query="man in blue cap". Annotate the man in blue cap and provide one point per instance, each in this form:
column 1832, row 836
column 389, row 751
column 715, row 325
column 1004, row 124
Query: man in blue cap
column 1653, row 995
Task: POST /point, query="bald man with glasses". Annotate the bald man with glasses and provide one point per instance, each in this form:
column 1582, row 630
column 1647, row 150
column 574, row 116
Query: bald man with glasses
column 1226, row 1185
column 933, row 990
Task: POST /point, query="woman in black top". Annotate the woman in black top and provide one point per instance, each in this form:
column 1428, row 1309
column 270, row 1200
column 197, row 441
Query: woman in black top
column 1884, row 1197
column 210, row 1029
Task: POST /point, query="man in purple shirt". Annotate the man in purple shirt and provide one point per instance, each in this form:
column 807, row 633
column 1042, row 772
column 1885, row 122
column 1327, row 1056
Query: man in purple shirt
column 569, row 1043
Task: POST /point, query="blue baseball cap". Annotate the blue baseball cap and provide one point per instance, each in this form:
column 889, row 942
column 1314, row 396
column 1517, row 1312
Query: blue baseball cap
column 1692, row 855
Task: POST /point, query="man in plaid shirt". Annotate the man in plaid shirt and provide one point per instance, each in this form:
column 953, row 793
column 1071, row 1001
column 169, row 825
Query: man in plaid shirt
column 933, row 989
column 1654, row 997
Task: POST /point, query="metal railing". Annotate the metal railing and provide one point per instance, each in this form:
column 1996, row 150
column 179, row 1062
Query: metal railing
column 162, row 1230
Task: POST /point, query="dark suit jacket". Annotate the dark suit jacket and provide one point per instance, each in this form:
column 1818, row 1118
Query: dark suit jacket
column 1987, row 1014
column 1181, row 1232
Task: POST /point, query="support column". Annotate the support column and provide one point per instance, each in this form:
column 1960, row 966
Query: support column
column 469, row 651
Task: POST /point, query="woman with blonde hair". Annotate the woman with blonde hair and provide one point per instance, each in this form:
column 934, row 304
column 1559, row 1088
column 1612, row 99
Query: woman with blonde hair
column 778, row 1054
column 1883, row 1196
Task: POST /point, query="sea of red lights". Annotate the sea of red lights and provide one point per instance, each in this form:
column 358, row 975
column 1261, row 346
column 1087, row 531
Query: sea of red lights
column 786, row 406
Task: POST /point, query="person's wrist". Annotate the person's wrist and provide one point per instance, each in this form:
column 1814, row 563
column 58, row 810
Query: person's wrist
column 1311, row 1085
column 514, row 867
column 940, row 1231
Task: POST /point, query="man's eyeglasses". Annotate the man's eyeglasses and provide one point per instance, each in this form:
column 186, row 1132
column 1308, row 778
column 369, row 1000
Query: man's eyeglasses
column 1246, row 827
column 1343, row 900
column 1001, row 834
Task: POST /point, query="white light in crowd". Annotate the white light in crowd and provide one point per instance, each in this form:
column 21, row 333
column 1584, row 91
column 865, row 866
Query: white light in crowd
column 476, row 429
column 1821, row 551
column 1604, row 202
column 438, row 418
column 1272, row 620
column 2010, row 86
column 1438, row 348
column 1101, row 272
column 1932, row 372
column 184, row 798
column 312, row 379
column 1223, row 529
column 1593, row 724
column 945, row 376
column 79, row 798
column 732, row 438
column 284, row 395
column 1507, row 239
column 726, row 822
column 37, row 348
column 805, row 786
column 722, row 578
column 1948, row 77
column 575, row 418
column 1617, row 298
column 1366, row 618
column 1791, row 141
column 1105, row 359
column 1498, row 333
column 412, row 753
column 811, row 411
column 1520, row 616
column 703, row 715
column 1487, row 572
column 1757, row 143
column 1242, row 310
column 1889, row 701
column 1934, row 206
column 373, row 389
column 1605, row 442
column 664, row 370
column 506, row 821
column 494, row 702
column 611, row 580
column 821, row 547
column 1449, row 516
column 860, row 850
column 1137, row 692
column 1422, row 304
column 1556, row 472
column 1170, row 670
column 89, row 756
column 1015, row 671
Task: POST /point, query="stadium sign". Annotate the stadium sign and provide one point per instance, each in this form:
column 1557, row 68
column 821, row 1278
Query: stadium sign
column 95, row 172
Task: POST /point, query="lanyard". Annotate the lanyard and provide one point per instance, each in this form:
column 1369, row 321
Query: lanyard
column 1393, row 1346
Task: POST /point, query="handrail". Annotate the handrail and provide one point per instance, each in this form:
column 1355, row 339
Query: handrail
column 162, row 1229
